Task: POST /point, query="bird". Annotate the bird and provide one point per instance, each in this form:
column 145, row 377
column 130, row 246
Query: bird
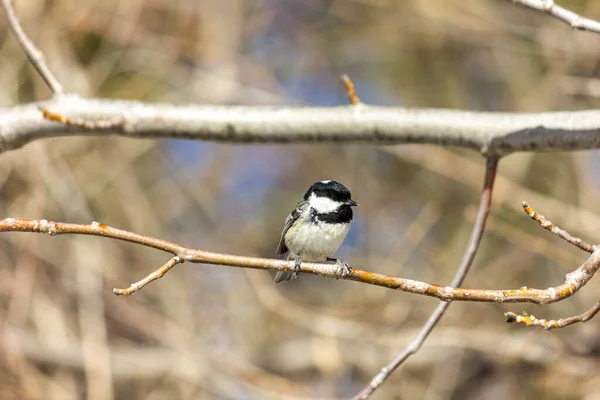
column 316, row 228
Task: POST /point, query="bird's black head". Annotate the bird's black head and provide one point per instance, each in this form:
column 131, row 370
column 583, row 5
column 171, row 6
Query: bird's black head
column 330, row 201
column 332, row 190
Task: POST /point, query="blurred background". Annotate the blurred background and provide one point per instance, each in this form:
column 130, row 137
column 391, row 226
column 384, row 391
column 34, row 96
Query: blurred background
column 206, row 332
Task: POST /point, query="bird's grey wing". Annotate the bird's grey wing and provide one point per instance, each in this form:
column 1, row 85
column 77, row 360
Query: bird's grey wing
column 289, row 221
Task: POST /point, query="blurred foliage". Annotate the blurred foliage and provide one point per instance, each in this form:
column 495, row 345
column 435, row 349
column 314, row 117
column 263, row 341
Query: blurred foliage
column 206, row 332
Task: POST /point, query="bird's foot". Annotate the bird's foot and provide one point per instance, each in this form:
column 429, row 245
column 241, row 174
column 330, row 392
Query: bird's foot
column 297, row 267
column 343, row 268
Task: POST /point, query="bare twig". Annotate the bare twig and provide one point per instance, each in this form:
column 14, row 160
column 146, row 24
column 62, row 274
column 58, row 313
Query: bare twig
column 530, row 320
column 490, row 133
column 576, row 21
column 157, row 274
column 544, row 223
column 463, row 269
column 574, row 281
column 35, row 56
column 350, row 90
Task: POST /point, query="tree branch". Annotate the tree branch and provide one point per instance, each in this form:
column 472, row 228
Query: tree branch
column 493, row 134
column 465, row 265
column 549, row 226
column 530, row 320
column 159, row 273
column 574, row 281
column 575, row 20
column 35, row 56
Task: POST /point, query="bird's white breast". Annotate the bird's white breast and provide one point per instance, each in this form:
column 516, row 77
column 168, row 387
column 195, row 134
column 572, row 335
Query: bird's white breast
column 315, row 241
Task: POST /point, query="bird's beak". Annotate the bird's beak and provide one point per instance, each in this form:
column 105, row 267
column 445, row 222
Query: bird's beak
column 352, row 203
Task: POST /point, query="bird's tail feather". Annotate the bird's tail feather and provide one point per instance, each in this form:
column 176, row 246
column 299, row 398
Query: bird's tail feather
column 284, row 276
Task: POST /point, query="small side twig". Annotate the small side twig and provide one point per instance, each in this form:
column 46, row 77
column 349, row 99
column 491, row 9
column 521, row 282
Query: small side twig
column 157, row 274
column 575, row 20
column 465, row 265
column 544, row 223
column 350, row 90
column 530, row 320
column 35, row 56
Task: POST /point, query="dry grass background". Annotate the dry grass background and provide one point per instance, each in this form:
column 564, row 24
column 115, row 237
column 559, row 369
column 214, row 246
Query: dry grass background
column 207, row 332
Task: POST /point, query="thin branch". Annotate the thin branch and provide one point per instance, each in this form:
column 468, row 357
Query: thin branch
column 350, row 90
column 530, row 320
column 159, row 273
column 549, row 7
column 544, row 223
column 35, row 56
column 574, row 281
column 465, row 265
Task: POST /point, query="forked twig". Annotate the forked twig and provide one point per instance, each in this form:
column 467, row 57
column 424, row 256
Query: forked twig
column 35, row 56
column 531, row 320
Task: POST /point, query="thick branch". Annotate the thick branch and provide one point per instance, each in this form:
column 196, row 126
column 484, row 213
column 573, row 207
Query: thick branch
column 576, row 21
column 490, row 133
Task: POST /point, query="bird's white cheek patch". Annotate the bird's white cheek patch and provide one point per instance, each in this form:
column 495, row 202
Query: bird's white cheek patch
column 323, row 204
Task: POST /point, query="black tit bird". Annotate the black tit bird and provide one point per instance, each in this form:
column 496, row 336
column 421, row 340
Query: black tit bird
column 315, row 230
